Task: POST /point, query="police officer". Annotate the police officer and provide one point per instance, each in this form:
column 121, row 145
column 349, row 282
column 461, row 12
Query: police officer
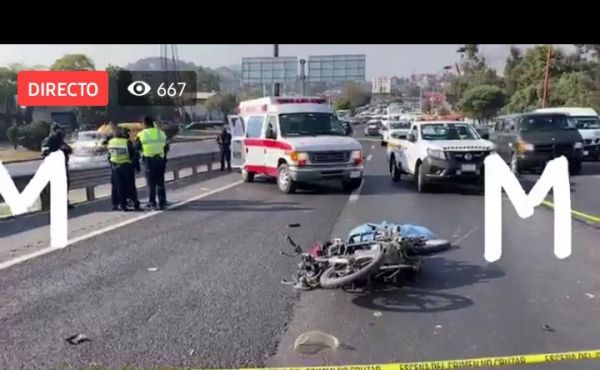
column 224, row 141
column 152, row 143
column 56, row 141
column 123, row 161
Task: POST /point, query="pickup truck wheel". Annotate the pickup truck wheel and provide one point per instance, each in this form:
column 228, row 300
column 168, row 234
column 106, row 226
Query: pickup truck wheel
column 247, row 176
column 394, row 171
column 421, row 181
column 383, row 143
column 284, row 180
column 351, row 185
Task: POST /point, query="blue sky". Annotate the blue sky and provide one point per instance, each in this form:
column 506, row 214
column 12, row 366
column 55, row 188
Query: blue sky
column 384, row 60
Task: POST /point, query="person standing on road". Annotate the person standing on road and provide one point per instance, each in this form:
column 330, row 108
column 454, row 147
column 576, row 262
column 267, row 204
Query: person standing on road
column 54, row 142
column 152, row 143
column 224, row 141
column 124, row 163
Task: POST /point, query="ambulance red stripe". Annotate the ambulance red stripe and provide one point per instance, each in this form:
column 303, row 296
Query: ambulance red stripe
column 268, row 143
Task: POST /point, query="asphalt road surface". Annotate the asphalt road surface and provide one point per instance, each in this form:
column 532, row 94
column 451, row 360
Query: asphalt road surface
column 216, row 299
column 177, row 150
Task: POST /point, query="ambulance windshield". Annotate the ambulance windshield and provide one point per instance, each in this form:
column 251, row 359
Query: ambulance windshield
column 310, row 124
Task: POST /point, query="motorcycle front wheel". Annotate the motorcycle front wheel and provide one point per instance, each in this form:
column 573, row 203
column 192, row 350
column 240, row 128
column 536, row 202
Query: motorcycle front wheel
column 335, row 276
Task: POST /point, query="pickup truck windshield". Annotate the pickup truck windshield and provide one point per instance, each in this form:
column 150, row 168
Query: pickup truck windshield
column 448, row 131
column 586, row 123
column 310, row 124
column 546, row 123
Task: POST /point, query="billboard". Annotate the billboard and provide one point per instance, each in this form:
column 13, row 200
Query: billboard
column 268, row 70
column 336, row 68
column 382, row 85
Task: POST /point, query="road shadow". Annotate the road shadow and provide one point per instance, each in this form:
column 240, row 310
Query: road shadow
column 321, row 188
column 438, row 273
column 394, row 299
column 240, row 205
column 382, row 184
column 18, row 224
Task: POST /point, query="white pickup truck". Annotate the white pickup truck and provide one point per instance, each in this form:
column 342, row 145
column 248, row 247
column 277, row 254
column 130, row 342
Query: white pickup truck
column 438, row 151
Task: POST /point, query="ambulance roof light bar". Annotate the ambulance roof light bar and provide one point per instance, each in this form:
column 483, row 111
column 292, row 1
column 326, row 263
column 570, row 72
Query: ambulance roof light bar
column 300, row 101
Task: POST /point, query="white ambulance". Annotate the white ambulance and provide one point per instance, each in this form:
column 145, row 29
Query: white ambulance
column 296, row 139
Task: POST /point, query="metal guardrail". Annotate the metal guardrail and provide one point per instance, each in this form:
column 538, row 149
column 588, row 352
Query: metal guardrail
column 90, row 178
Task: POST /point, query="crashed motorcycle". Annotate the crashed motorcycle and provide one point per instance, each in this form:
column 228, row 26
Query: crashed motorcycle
column 338, row 264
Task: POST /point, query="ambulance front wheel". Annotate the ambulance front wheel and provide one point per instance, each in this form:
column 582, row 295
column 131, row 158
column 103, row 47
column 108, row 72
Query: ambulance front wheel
column 247, row 176
column 284, row 179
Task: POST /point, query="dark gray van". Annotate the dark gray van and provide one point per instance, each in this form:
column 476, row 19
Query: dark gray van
column 527, row 141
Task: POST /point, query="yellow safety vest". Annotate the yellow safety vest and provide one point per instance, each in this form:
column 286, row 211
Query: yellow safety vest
column 153, row 142
column 119, row 152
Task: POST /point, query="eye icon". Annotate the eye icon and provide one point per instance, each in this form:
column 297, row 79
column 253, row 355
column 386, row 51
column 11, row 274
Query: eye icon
column 139, row 88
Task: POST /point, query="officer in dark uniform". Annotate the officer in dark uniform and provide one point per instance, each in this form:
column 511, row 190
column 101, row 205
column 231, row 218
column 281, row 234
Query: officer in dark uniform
column 224, row 141
column 124, row 163
column 152, row 143
column 54, row 142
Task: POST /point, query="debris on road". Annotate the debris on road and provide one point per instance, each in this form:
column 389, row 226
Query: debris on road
column 377, row 314
column 152, row 269
column 590, row 295
column 547, row 327
column 313, row 342
column 77, row 339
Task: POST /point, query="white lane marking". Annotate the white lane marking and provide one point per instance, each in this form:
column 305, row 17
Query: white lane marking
column 373, row 146
column 356, row 193
column 41, row 252
column 369, row 157
column 465, row 236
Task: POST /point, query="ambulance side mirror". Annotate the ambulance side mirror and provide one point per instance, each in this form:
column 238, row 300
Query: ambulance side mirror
column 270, row 134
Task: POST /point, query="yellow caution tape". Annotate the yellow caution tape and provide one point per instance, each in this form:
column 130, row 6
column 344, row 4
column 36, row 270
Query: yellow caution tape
column 499, row 361
column 576, row 213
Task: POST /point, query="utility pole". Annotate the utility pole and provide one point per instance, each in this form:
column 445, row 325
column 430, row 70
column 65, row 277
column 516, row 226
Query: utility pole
column 303, row 76
column 276, row 84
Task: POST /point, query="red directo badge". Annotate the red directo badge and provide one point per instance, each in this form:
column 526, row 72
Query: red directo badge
column 62, row 88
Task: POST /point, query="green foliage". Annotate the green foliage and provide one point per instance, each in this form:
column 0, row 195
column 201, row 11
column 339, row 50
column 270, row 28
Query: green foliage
column 207, row 80
column 31, row 135
column 73, row 62
column 343, row 103
column 13, row 135
column 355, row 95
column 482, row 102
column 224, row 103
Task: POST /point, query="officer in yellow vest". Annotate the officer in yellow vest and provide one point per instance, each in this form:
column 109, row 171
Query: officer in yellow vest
column 152, row 143
column 124, row 163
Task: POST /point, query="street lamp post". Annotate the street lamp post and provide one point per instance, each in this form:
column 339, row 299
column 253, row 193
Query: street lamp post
column 276, row 84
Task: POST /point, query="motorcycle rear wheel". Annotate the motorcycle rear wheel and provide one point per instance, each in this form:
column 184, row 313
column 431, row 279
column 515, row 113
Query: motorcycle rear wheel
column 328, row 281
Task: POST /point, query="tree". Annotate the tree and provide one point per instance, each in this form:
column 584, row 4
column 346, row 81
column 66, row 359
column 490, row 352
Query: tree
column 355, row 95
column 482, row 102
column 224, row 103
column 73, row 62
column 8, row 90
column 342, row 104
column 208, row 80
column 513, row 60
